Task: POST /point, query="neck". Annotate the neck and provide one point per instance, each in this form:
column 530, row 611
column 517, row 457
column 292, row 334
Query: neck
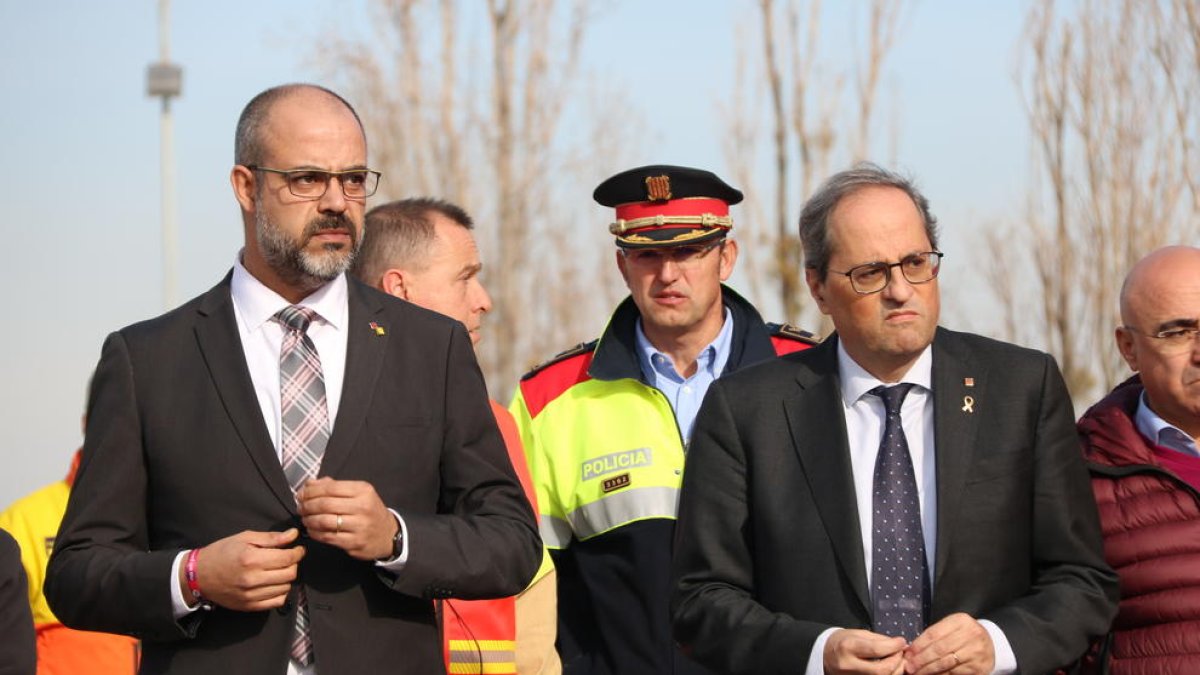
column 684, row 346
column 885, row 369
column 291, row 290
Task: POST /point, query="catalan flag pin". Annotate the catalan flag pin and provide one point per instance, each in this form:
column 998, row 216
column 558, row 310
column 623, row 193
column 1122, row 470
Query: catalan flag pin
column 378, row 329
column 967, row 381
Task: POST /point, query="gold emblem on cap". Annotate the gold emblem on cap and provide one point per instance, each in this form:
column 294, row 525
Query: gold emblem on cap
column 658, row 188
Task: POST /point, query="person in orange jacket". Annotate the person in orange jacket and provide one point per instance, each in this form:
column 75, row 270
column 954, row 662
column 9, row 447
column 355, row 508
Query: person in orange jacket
column 33, row 521
column 422, row 250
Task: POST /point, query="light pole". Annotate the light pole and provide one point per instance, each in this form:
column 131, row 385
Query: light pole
column 165, row 79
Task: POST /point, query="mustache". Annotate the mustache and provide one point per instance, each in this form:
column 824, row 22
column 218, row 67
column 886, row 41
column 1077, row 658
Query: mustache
column 329, row 222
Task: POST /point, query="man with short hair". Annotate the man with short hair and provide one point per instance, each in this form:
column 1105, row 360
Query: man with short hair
column 606, row 425
column 421, row 250
column 282, row 474
column 902, row 498
column 1141, row 445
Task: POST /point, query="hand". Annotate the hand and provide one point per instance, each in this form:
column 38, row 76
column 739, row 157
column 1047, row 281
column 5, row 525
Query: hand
column 247, row 572
column 861, row 651
column 957, row 644
column 348, row 514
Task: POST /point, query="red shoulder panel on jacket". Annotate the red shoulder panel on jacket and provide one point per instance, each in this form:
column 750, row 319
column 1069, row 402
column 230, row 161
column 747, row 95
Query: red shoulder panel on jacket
column 549, row 380
column 786, row 338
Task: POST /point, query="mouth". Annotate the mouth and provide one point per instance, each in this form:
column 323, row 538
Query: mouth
column 901, row 316
column 669, row 299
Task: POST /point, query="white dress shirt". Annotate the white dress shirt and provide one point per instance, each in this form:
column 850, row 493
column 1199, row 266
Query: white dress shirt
column 254, row 308
column 865, row 417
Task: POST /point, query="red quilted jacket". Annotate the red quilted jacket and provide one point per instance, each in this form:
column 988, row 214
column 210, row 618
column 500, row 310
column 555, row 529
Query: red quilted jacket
column 1151, row 525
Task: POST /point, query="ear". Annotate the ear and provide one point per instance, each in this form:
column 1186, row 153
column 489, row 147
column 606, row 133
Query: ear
column 729, row 254
column 1128, row 349
column 621, row 266
column 244, row 187
column 816, row 288
column 393, row 282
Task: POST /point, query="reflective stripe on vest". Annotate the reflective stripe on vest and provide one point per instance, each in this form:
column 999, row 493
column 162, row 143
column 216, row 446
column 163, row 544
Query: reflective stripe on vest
column 623, row 507
column 556, row 532
column 483, row 657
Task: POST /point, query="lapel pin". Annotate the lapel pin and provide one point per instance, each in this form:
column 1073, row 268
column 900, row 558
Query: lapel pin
column 378, row 329
column 968, row 404
column 969, row 381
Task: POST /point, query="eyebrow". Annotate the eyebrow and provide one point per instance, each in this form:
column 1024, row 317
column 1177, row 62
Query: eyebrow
column 470, row 270
column 1177, row 323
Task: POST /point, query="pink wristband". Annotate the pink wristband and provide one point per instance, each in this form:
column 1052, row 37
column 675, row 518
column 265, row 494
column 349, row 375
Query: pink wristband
column 189, row 572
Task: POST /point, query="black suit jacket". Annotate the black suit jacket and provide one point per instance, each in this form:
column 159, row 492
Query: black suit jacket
column 177, row 455
column 768, row 546
column 18, row 654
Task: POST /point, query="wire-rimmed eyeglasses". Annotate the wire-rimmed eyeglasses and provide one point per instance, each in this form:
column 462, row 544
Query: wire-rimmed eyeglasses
column 1175, row 340
column 873, row 277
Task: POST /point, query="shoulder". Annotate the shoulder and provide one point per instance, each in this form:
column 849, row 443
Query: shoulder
column 786, row 338
column 989, row 349
column 548, row 380
column 568, row 359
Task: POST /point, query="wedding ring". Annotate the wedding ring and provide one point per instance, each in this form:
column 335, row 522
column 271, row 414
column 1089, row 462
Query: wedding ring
column 339, row 529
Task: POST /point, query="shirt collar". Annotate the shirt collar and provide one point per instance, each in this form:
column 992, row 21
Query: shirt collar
column 259, row 304
column 1161, row 432
column 711, row 359
column 856, row 381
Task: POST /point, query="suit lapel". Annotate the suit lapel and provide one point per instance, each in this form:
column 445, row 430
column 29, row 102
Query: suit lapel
column 818, row 430
column 365, row 349
column 217, row 334
column 959, row 388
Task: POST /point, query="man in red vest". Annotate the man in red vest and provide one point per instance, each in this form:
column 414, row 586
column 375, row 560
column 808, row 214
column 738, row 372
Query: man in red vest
column 1141, row 445
column 422, row 250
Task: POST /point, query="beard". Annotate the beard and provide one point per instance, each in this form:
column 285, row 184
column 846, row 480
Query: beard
column 293, row 262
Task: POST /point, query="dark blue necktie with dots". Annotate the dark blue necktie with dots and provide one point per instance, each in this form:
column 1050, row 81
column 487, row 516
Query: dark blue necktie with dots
column 899, row 578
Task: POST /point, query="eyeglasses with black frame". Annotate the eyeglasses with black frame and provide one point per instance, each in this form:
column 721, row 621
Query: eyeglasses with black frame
column 1174, row 340
column 918, row 268
column 314, row 183
column 684, row 257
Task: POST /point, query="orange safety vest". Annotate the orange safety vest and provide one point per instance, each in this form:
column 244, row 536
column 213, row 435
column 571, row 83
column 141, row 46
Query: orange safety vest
column 480, row 636
column 33, row 521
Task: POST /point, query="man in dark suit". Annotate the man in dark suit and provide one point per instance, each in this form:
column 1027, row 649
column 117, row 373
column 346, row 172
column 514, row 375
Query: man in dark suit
column 903, row 498
column 18, row 655
column 198, row 521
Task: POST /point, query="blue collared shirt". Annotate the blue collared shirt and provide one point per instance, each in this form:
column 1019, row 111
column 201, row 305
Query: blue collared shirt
column 1162, row 432
column 685, row 394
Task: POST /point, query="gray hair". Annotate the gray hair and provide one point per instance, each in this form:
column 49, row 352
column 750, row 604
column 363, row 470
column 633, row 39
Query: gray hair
column 248, row 141
column 400, row 234
column 814, row 219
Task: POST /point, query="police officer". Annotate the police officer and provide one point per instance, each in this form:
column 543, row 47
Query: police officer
column 606, row 425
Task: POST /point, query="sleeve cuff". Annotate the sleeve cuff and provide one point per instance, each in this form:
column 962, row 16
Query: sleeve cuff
column 395, row 565
column 1005, row 660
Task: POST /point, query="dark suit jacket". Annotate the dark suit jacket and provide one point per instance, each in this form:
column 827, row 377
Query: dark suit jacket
column 177, row 456
column 18, row 655
column 768, row 546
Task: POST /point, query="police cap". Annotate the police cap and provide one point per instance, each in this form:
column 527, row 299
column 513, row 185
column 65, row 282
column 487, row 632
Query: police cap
column 664, row 205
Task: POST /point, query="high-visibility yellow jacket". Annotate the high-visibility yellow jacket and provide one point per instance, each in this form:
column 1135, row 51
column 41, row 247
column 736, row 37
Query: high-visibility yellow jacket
column 33, row 521
column 607, row 460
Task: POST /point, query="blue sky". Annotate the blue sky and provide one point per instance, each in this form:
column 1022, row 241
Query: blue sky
column 81, row 144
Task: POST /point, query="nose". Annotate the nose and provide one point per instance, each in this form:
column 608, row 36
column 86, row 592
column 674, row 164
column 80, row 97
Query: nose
column 483, row 298
column 668, row 270
column 898, row 288
column 334, row 199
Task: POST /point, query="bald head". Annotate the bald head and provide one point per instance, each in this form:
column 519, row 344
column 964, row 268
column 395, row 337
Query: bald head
column 254, row 123
column 1162, row 272
column 1160, row 310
